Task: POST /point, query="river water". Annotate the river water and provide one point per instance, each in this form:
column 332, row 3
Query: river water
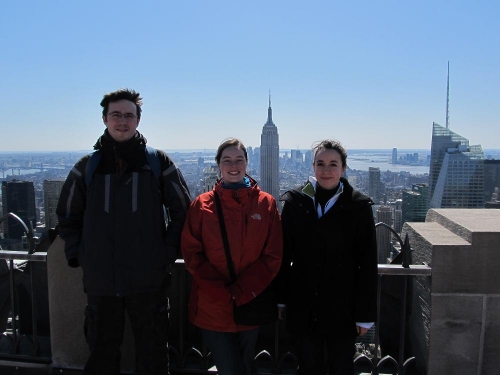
column 362, row 161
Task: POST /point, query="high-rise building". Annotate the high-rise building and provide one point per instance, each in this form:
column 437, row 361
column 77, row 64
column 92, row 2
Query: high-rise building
column 210, row 174
column 250, row 157
column 296, row 157
column 491, row 178
column 414, row 207
column 394, row 156
column 374, row 184
column 18, row 197
column 51, row 192
column 456, row 172
column 256, row 159
column 308, row 158
column 269, row 156
column 398, row 220
column 494, row 202
column 384, row 246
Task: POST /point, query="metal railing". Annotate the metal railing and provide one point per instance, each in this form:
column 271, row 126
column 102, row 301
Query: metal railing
column 13, row 338
column 186, row 358
column 189, row 355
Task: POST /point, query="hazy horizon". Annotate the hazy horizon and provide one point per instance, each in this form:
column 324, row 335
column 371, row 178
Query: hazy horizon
column 213, row 150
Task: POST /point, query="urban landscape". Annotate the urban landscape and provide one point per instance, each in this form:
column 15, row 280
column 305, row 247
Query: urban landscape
column 452, row 174
column 409, row 89
column 404, row 185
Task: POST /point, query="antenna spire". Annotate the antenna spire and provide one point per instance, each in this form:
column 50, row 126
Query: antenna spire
column 448, row 98
column 269, row 112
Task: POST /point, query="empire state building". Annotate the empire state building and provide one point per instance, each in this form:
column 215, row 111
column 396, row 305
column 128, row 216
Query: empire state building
column 269, row 156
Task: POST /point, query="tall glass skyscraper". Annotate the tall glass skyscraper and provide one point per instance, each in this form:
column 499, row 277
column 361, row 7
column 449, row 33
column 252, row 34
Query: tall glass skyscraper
column 415, row 203
column 18, row 197
column 456, row 172
column 394, row 156
column 374, row 184
column 269, row 156
column 51, row 192
column 491, row 178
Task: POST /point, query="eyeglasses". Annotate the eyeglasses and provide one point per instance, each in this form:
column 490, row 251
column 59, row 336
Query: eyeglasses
column 117, row 116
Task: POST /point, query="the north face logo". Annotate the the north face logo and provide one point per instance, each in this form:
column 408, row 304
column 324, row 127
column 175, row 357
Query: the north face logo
column 256, row 217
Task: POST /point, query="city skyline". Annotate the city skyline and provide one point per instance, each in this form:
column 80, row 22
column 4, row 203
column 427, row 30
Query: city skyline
column 371, row 75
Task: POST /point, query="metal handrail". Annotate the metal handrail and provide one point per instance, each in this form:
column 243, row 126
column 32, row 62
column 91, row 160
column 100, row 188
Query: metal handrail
column 405, row 270
column 30, row 233
column 29, row 256
column 416, row 270
column 181, row 352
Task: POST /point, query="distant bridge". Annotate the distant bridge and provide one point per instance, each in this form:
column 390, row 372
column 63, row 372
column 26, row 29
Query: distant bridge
column 37, row 167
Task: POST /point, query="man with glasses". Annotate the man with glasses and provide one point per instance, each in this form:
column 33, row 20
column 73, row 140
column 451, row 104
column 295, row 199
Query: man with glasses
column 114, row 227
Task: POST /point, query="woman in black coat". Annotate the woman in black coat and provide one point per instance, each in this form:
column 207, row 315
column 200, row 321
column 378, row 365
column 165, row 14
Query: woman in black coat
column 330, row 265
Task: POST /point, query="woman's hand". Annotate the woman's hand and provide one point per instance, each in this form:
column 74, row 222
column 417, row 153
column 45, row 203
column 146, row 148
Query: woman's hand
column 361, row 331
column 281, row 312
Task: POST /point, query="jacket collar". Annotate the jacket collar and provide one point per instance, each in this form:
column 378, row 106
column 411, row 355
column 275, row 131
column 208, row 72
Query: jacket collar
column 349, row 195
column 242, row 191
column 310, row 189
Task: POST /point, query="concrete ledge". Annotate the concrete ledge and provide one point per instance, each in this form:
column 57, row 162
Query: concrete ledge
column 465, row 222
column 67, row 303
column 435, row 234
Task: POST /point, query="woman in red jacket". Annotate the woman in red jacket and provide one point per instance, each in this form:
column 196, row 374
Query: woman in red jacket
column 255, row 241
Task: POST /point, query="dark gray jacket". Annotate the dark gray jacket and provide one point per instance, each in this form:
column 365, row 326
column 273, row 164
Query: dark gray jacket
column 116, row 229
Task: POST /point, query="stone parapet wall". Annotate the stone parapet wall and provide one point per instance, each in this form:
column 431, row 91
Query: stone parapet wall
column 456, row 314
column 67, row 303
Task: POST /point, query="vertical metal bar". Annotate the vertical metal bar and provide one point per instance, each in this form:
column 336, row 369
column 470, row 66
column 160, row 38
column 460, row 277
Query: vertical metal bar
column 377, row 325
column 204, row 351
column 34, row 312
column 182, row 281
column 276, row 346
column 13, row 305
column 402, row 327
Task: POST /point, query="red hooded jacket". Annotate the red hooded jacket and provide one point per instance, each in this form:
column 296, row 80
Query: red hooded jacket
column 253, row 226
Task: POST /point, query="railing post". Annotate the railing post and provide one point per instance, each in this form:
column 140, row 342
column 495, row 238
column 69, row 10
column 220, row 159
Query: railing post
column 406, row 261
column 13, row 305
column 377, row 325
column 276, row 346
column 402, row 327
column 32, row 241
column 34, row 312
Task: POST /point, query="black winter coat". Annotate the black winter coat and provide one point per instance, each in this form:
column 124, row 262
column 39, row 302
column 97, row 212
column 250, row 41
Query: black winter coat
column 329, row 263
column 115, row 228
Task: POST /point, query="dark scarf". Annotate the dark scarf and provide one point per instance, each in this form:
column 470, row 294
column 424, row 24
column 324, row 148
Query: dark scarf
column 127, row 156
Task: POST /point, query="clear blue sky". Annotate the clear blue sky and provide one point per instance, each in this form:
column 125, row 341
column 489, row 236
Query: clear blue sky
column 371, row 74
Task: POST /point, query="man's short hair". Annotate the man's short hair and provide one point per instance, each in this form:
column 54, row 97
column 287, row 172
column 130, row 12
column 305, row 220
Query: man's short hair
column 122, row 94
